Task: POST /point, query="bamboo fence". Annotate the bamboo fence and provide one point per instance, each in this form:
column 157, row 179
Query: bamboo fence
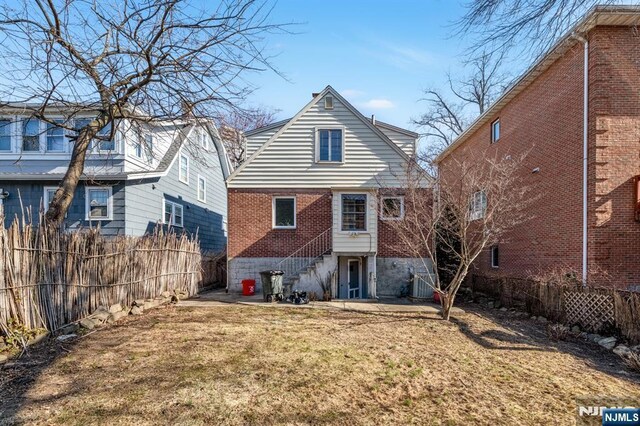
column 569, row 303
column 49, row 278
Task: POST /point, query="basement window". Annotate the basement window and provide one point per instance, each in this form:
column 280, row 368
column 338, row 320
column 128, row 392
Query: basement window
column 495, row 257
column 284, row 212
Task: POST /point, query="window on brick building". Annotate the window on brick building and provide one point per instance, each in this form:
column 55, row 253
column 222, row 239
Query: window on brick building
column 284, row 212
column 495, row 131
column 478, row 205
column 392, row 208
column 495, row 257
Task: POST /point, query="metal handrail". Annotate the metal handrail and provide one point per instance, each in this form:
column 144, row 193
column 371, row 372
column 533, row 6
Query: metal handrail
column 307, row 254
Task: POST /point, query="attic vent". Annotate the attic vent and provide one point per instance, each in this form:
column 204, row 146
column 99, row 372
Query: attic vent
column 328, row 102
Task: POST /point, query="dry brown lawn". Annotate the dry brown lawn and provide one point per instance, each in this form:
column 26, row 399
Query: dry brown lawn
column 233, row 364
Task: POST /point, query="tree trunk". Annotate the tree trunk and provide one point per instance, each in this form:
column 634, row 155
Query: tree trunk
column 59, row 206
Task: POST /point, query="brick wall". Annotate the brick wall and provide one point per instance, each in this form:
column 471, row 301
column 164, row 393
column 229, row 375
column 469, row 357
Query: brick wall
column 614, row 152
column 544, row 121
column 546, row 118
column 249, row 223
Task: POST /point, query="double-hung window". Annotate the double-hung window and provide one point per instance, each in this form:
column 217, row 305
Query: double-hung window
column 284, row 212
column 354, row 212
column 148, row 146
column 49, row 193
column 55, row 137
column 202, row 189
column 98, row 203
column 183, row 171
column 392, row 208
column 330, row 145
column 173, row 213
column 137, row 146
column 5, row 134
column 104, row 140
column 478, row 205
column 31, row 135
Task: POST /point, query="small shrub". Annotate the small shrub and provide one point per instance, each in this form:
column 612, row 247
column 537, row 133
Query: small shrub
column 632, row 360
column 557, row 331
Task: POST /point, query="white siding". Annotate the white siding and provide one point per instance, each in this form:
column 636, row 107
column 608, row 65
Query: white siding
column 405, row 142
column 255, row 141
column 359, row 242
column 289, row 161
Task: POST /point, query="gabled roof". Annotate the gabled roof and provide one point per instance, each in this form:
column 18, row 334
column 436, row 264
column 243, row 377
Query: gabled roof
column 267, row 127
column 306, row 108
column 598, row 15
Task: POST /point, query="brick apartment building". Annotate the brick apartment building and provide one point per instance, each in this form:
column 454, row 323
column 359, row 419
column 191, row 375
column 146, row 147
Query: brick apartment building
column 544, row 114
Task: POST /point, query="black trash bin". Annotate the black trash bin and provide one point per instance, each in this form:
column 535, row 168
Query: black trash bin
column 272, row 285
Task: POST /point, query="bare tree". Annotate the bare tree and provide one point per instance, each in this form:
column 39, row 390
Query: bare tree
column 128, row 61
column 235, row 123
column 448, row 115
column 469, row 207
column 529, row 27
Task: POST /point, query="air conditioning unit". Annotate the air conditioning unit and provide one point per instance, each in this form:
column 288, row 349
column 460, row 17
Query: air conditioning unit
column 422, row 285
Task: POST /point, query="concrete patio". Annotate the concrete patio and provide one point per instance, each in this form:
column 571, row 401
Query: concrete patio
column 218, row 297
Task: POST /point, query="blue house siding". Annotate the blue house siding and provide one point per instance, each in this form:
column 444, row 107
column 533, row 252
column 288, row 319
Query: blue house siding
column 29, row 195
column 144, row 201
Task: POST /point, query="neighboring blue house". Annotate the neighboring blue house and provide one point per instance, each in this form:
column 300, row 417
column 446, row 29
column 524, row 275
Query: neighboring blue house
column 170, row 173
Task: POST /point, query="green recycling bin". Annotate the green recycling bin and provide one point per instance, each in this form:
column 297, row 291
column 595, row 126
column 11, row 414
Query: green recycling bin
column 272, row 288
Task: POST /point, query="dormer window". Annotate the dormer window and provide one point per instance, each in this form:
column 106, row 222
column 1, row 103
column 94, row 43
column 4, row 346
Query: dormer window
column 330, row 145
column 31, row 135
column 328, row 102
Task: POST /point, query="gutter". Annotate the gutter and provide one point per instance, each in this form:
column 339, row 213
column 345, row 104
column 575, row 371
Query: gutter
column 585, row 154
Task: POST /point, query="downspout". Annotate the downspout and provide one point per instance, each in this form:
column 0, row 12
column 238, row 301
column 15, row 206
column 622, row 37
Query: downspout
column 585, row 130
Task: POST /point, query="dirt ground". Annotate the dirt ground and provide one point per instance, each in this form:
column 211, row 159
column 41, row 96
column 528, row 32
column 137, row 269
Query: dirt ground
column 233, row 364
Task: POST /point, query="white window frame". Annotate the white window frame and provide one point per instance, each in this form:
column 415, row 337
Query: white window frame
column 317, row 144
column 328, row 102
column 172, row 222
column 204, row 195
column 295, row 211
column 477, row 208
column 395, row 197
column 181, row 178
column 366, row 213
column 204, row 140
column 46, row 136
column 45, row 196
column 109, row 203
column 495, row 259
column 12, row 122
column 149, row 141
column 495, row 123
column 41, row 135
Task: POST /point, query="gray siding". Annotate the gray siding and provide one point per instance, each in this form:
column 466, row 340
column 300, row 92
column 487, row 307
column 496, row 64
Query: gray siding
column 28, row 196
column 144, row 200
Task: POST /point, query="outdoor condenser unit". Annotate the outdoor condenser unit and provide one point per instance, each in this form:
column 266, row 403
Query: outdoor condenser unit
column 421, row 285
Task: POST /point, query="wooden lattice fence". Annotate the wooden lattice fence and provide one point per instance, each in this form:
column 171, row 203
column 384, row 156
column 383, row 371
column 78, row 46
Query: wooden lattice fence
column 591, row 310
column 594, row 309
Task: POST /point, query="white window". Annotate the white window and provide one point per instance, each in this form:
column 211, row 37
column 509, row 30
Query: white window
column 31, row 135
column 328, row 102
column 495, row 131
column 148, row 146
column 49, row 193
column 100, row 143
column 183, row 172
column 55, row 137
column 202, row 189
column 172, row 213
column 98, row 203
column 478, row 205
column 495, row 257
column 137, row 147
column 284, row 212
column 354, row 212
column 204, row 140
column 392, row 208
column 5, row 134
column 329, row 145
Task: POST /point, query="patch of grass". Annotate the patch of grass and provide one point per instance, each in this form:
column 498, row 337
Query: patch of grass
column 237, row 365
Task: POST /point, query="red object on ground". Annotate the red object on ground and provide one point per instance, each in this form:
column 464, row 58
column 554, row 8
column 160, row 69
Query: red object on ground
column 436, row 297
column 248, row 287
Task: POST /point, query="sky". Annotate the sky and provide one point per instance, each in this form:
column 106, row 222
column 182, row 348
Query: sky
column 380, row 55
